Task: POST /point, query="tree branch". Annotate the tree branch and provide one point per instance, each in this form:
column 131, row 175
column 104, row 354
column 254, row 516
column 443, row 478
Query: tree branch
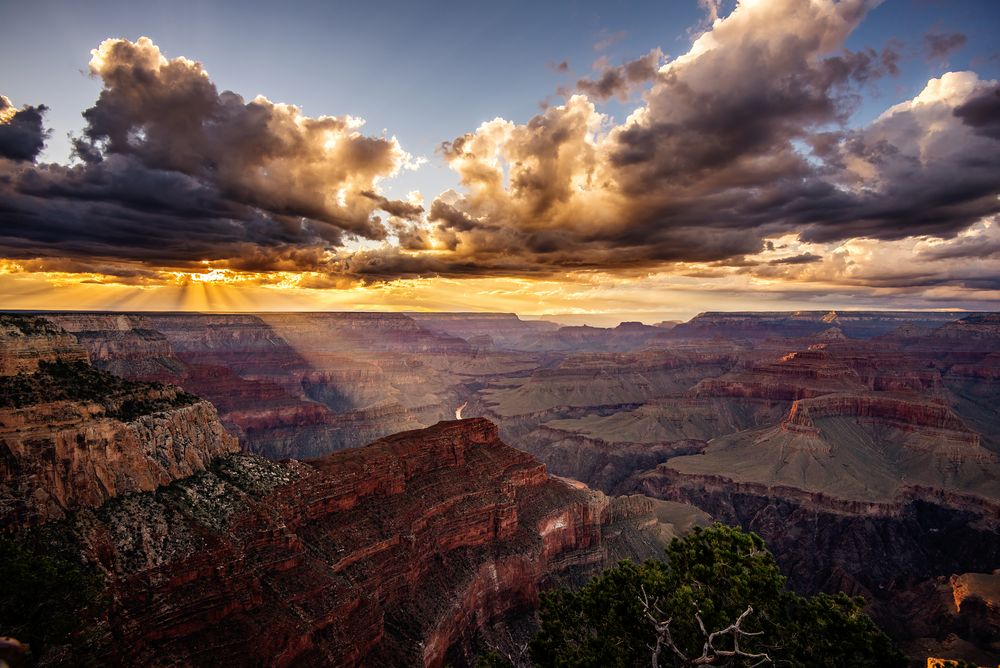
column 709, row 654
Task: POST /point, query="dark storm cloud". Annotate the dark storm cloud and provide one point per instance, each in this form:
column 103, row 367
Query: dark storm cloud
column 22, row 133
column 803, row 258
column 172, row 172
column 620, row 81
column 394, row 207
column 939, row 45
column 169, row 115
column 121, row 209
column 982, row 112
column 736, row 143
column 967, row 247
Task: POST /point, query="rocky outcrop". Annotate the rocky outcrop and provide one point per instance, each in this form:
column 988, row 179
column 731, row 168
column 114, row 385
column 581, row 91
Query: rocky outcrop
column 60, row 456
column 799, row 324
column 304, row 384
column 391, row 554
column 627, row 336
column 796, row 375
column 123, row 344
column 502, row 330
column 325, row 333
column 976, row 599
column 888, row 552
column 72, row 436
column 906, row 412
column 26, row 341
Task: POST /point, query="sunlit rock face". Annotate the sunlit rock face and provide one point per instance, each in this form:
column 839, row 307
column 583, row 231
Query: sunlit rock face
column 875, row 444
column 397, row 553
column 29, row 341
column 72, row 436
column 123, row 344
column 288, row 385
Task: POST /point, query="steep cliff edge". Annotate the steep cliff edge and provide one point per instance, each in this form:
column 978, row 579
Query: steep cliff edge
column 74, row 436
column 123, row 344
column 396, row 553
column 26, row 341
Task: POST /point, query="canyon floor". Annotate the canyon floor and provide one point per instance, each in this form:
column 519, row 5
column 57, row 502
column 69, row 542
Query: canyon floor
column 305, row 473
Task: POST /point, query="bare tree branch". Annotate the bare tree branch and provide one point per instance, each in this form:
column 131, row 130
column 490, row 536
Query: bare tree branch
column 709, row 654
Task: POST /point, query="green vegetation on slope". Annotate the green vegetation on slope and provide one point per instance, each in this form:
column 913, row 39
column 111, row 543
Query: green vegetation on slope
column 77, row 381
column 722, row 577
column 45, row 601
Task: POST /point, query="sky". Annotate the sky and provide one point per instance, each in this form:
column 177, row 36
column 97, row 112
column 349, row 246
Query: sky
column 600, row 161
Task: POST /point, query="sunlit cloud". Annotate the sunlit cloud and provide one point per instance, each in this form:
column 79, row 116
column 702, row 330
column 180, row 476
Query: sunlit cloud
column 735, row 174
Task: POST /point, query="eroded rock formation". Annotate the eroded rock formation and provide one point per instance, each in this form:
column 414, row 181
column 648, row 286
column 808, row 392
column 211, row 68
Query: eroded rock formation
column 391, row 554
column 72, row 436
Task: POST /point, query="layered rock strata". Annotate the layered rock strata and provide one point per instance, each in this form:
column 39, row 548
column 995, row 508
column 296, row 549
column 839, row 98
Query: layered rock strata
column 396, row 553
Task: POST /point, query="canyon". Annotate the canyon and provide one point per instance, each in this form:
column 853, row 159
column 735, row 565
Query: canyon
column 864, row 447
column 413, row 550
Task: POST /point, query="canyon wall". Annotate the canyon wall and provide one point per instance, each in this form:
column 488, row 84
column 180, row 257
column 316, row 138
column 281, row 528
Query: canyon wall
column 396, row 553
column 859, row 436
column 73, row 436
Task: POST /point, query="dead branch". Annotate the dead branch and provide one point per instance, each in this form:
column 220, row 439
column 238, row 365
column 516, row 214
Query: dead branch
column 709, row 653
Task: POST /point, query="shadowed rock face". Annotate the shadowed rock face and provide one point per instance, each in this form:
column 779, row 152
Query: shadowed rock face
column 391, row 554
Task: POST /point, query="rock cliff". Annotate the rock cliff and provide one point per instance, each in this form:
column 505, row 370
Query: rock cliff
column 27, row 341
column 396, row 553
column 72, row 436
column 783, row 324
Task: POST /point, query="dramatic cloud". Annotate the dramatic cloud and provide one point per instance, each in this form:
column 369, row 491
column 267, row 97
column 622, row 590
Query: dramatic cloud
column 982, row 111
column 175, row 172
column 169, row 115
column 713, row 162
column 916, row 170
column 741, row 139
column 740, row 163
column 22, row 135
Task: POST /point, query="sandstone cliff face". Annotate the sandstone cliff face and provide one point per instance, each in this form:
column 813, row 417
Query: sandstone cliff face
column 63, row 455
column 391, row 554
column 905, row 412
column 123, row 344
column 889, row 552
column 976, row 600
column 503, row 330
column 26, row 340
column 72, row 436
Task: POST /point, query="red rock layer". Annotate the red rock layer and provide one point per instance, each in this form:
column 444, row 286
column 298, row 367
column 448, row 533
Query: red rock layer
column 908, row 413
column 59, row 453
column 391, row 554
column 123, row 344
